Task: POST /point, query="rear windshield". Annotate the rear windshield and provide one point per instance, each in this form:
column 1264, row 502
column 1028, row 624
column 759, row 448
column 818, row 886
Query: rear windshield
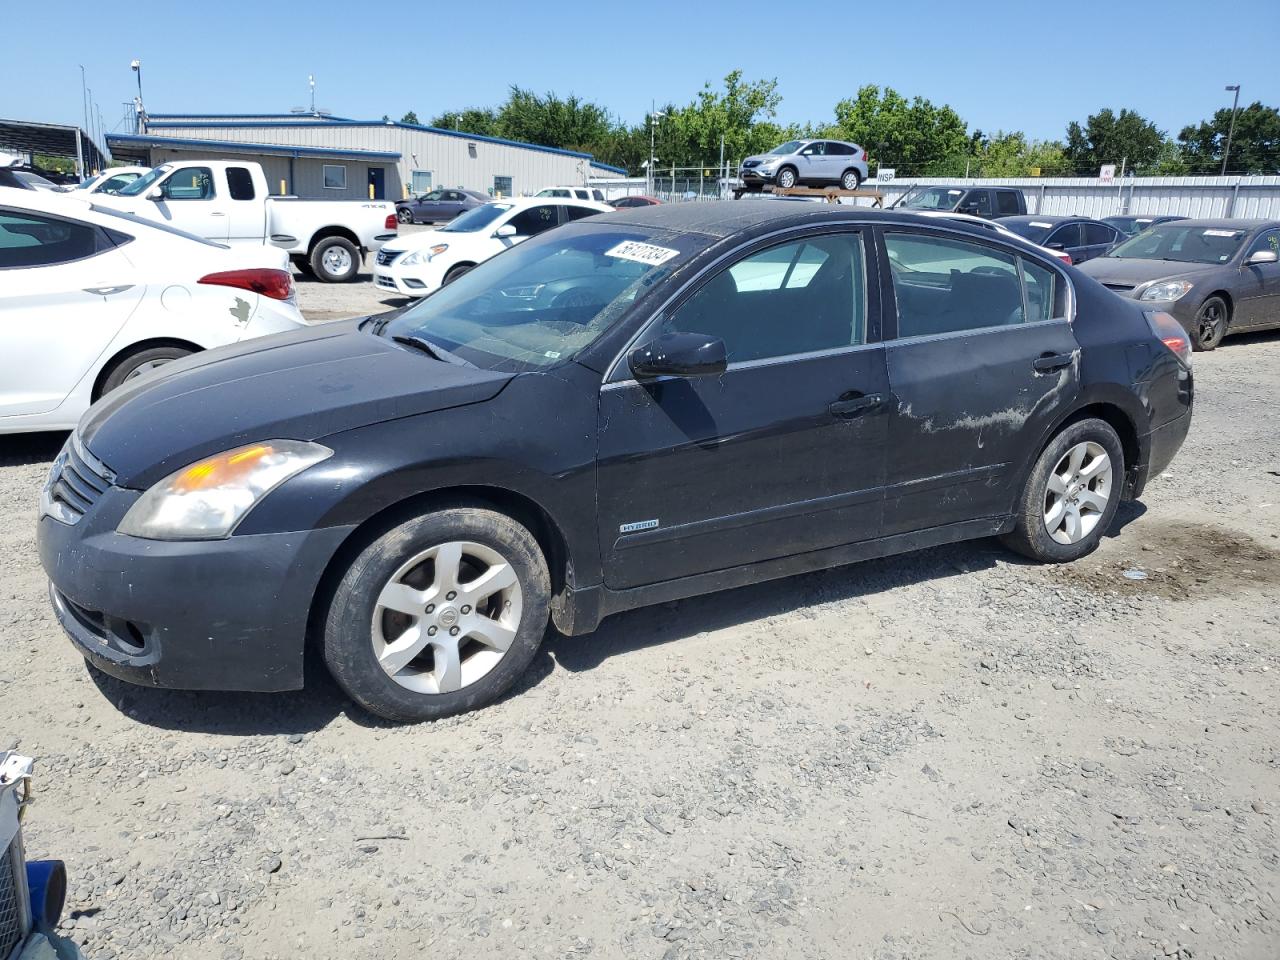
column 1182, row 244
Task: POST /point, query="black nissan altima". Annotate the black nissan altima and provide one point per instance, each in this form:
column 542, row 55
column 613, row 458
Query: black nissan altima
column 638, row 407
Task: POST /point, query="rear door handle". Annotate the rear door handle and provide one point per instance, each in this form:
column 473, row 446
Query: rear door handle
column 1048, row 362
column 848, row 407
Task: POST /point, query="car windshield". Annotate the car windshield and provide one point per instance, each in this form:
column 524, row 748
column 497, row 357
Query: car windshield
column 477, row 218
column 791, row 146
column 144, row 182
column 89, row 183
column 934, row 198
column 1182, row 244
column 542, row 302
column 1033, row 230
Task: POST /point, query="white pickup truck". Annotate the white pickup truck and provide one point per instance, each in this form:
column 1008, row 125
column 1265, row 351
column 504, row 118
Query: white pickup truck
column 228, row 202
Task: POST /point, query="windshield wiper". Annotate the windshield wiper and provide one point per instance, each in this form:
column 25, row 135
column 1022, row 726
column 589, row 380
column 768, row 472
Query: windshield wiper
column 430, row 349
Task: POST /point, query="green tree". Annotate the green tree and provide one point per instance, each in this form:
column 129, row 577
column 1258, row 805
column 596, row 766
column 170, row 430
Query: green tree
column 1108, row 137
column 913, row 136
column 1013, row 155
column 1255, row 144
column 740, row 114
column 409, row 117
column 567, row 122
column 481, row 121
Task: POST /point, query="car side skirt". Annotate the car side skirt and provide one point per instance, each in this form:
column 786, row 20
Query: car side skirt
column 580, row 611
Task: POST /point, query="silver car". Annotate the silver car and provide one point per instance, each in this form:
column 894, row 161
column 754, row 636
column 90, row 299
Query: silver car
column 817, row 163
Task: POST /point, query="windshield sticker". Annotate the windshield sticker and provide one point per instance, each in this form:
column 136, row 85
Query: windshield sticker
column 551, row 354
column 954, row 193
column 641, row 252
column 1040, row 223
column 1221, row 233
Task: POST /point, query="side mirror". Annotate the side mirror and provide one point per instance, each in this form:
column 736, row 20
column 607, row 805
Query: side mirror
column 155, row 194
column 679, row 355
column 1262, row 256
column 506, row 230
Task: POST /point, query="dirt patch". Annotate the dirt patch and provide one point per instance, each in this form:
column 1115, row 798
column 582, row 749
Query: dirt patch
column 1177, row 561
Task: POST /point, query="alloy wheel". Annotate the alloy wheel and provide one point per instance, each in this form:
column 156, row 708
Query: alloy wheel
column 146, row 367
column 446, row 617
column 1077, row 492
column 1209, row 322
column 404, row 215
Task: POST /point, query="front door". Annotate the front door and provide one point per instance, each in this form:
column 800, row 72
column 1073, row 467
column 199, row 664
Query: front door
column 982, row 362
column 190, row 200
column 781, row 454
column 1260, row 285
column 1069, row 239
column 377, row 183
column 809, row 163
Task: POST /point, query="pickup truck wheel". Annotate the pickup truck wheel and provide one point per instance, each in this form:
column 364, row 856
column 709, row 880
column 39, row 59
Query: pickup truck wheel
column 439, row 615
column 136, row 364
column 335, row 260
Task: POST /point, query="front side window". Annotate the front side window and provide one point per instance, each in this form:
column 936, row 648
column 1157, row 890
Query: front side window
column 534, row 220
column 799, row 297
column 189, row 183
column 335, row 176
column 240, row 183
column 1268, row 241
column 978, row 202
column 813, row 150
column 943, row 285
column 30, row 240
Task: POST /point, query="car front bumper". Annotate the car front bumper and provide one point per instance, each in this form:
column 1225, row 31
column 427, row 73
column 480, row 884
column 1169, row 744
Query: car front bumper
column 198, row 615
column 412, row 282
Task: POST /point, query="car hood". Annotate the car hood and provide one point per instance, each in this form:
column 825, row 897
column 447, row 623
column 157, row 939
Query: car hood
column 763, row 157
column 427, row 238
column 301, row 385
column 1136, row 272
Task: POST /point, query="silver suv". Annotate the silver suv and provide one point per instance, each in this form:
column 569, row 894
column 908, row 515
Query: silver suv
column 808, row 162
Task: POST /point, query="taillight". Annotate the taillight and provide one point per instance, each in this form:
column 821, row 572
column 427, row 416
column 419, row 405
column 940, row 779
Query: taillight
column 276, row 284
column 864, row 156
column 1169, row 331
column 390, row 223
column 1064, row 257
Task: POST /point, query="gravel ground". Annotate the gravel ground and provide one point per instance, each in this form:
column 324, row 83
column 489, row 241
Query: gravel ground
column 951, row 754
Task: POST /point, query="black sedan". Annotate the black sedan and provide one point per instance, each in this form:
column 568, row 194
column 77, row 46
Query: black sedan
column 1216, row 277
column 1081, row 238
column 732, row 393
column 438, row 206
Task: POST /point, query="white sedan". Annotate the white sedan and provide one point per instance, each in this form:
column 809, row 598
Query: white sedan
column 415, row 265
column 91, row 297
column 111, row 180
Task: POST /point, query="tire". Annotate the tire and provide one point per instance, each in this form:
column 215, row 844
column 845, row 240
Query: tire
column 851, row 180
column 386, row 594
column 455, row 272
column 1210, row 324
column 136, row 364
column 1083, row 486
column 302, row 265
column 786, row 178
column 335, row 260
column 404, row 215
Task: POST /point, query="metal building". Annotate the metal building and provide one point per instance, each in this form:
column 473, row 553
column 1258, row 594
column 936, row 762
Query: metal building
column 319, row 155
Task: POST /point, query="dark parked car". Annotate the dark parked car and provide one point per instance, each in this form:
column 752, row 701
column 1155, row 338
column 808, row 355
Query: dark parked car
column 24, row 178
column 1081, row 237
column 635, row 200
column 438, row 206
column 1215, row 276
column 1134, row 224
column 986, row 202
column 734, row 392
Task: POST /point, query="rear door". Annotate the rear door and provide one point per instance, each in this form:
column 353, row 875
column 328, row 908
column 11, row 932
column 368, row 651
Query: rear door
column 245, row 209
column 981, row 360
column 1098, row 239
column 1067, row 238
column 68, row 289
column 781, row 454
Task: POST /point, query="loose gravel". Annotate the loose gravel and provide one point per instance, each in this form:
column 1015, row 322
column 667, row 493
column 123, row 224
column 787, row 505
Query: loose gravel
column 950, row 754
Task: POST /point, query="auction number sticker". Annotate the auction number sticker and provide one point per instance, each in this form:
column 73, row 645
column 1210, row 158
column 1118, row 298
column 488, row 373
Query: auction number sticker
column 641, row 252
column 1040, row 223
column 1220, row 233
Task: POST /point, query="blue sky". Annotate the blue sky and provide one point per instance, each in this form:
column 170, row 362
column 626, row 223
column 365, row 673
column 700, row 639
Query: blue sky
column 1001, row 65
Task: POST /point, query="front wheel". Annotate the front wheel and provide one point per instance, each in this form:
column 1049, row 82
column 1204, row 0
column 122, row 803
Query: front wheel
column 1211, row 324
column 1071, row 496
column 456, row 272
column 439, row 615
column 136, row 364
column 786, row 178
column 404, row 215
column 851, row 180
column 335, row 260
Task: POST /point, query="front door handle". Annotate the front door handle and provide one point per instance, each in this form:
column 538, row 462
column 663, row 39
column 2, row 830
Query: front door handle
column 1048, row 362
column 848, row 407
column 108, row 291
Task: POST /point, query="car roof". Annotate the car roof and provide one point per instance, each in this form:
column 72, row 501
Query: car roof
column 47, row 201
column 521, row 202
column 1229, row 223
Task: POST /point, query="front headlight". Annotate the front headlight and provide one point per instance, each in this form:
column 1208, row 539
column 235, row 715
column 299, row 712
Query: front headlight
column 1166, row 290
column 206, row 500
column 425, row 255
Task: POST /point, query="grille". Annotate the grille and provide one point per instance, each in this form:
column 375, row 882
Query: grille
column 78, row 481
column 10, row 891
column 386, row 282
column 750, row 163
column 385, row 256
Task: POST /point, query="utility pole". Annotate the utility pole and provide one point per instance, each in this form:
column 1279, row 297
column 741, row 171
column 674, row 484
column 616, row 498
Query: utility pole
column 722, row 184
column 136, row 67
column 1235, row 103
column 653, row 119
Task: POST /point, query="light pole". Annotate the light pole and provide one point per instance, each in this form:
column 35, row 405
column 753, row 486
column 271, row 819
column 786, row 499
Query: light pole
column 654, row 115
column 1232, row 129
column 136, row 67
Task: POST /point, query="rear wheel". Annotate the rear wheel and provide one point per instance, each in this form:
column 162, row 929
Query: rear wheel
column 439, row 615
column 786, row 178
column 335, row 260
column 1071, row 496
column 1211, row 324
column 136, row 364
column 851, row 180
column 404, row 215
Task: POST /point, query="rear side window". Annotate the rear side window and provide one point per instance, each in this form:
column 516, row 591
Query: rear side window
column 240, row 183
column 946, row 286
column 1007, row 203
column 577, row 213
column 30, row 240
column 1042, row 291
column 1095, row 233
column 835, row 149
column 534, row 220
